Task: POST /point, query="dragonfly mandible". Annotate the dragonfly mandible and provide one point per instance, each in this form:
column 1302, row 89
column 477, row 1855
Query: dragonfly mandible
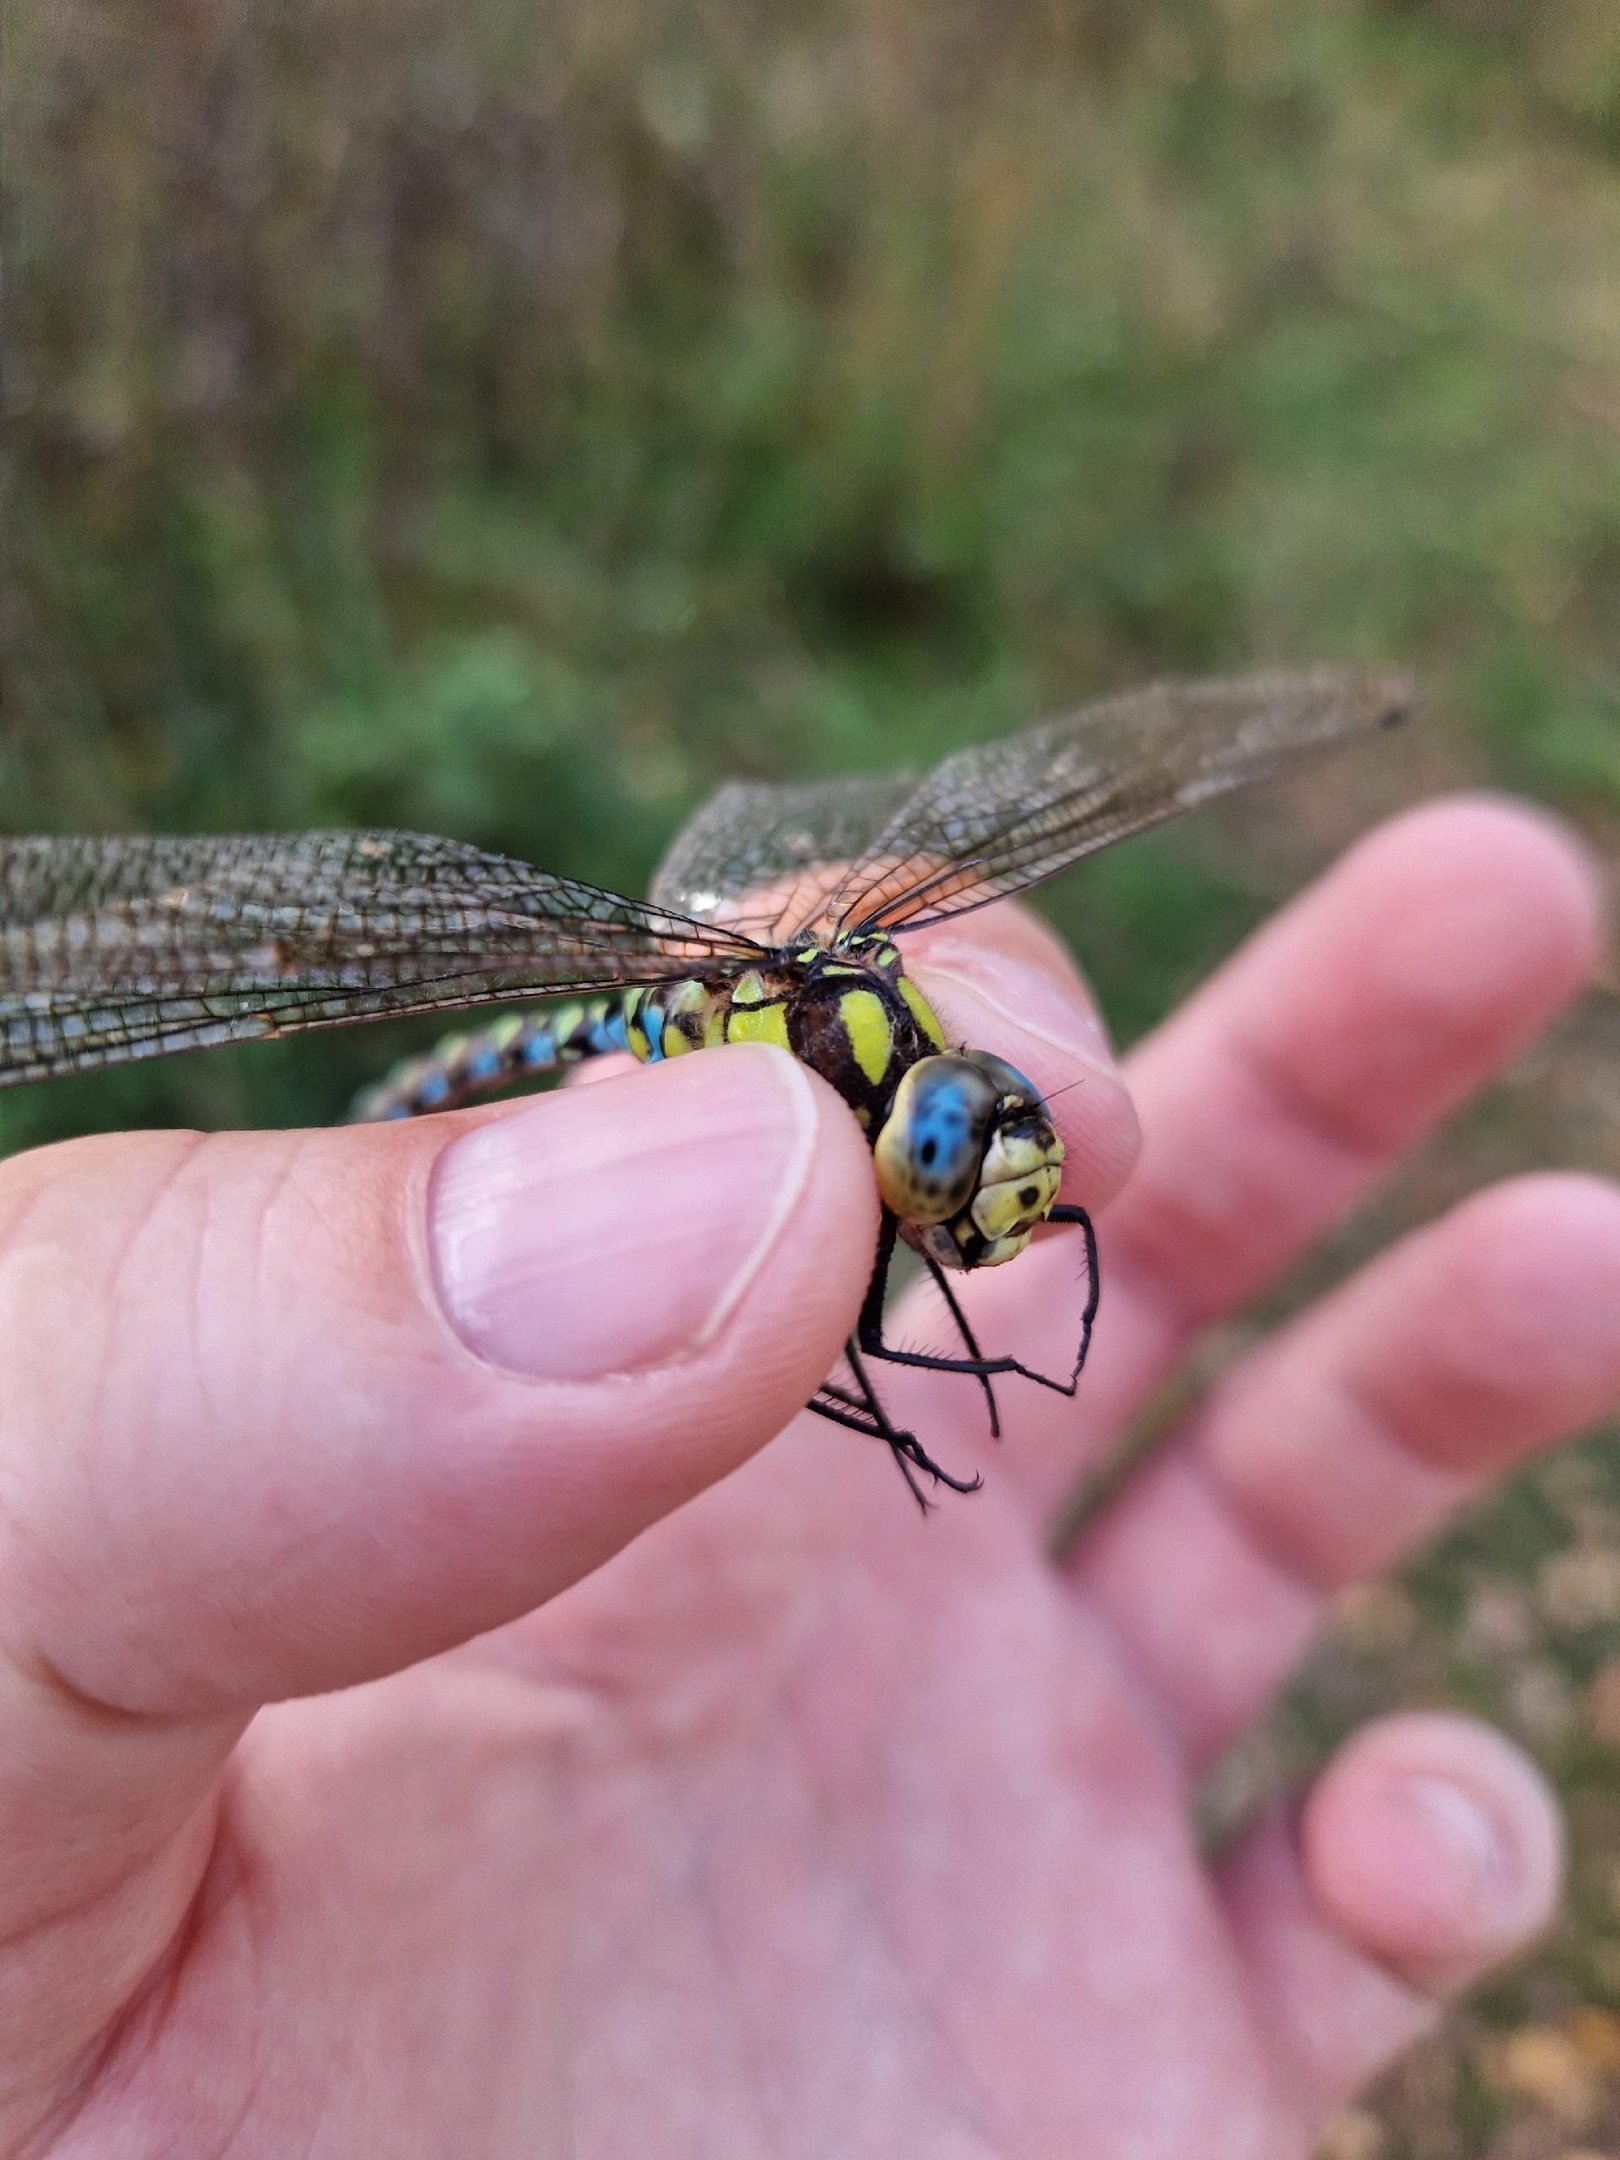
column 778, row 915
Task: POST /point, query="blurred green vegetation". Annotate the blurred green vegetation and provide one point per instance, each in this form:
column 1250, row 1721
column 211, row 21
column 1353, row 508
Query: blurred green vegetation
column 508, row 422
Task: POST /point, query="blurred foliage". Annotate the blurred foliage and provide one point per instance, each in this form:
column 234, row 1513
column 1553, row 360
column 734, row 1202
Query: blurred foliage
column 507, row 424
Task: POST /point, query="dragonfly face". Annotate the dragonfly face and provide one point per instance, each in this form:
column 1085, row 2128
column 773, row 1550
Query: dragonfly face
column 773, row 919
column 969, row 1161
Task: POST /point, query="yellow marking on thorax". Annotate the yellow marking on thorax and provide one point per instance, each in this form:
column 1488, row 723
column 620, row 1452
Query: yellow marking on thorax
column 922, row 1012
column 870, row 1036
column 758, row 1023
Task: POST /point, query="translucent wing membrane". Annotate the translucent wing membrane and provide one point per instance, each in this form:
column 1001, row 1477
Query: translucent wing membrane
column 785, row 847
column 1000, row 817
column 119, row 948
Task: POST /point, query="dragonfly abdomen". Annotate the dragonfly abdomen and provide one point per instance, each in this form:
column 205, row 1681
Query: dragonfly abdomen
column 516, row 1047
column 859, row 1023
column 850, row 1015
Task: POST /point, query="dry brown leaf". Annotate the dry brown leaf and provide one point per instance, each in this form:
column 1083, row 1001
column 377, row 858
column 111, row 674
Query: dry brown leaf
column 1543, row 1702
column 1542, row 2064
column 1581, row 1589
column 1352, row 2135
column 1595, row 2034
column 1374, row 1616
column 1603, row 1704
column 1500, row 1622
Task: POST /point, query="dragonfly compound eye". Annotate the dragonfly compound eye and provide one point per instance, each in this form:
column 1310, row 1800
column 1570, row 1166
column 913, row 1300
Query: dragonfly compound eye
column 932, row 1143
column 968, row 1159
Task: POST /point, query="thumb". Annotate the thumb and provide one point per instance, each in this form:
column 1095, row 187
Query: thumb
column 281, row 1412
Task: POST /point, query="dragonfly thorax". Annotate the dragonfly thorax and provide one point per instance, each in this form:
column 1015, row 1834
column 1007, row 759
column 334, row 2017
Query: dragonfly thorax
column 847, row 1010
column 967, row 1157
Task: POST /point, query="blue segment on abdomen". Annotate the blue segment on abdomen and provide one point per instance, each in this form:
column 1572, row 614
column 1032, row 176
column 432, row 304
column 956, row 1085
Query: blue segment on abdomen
column 607, row 1034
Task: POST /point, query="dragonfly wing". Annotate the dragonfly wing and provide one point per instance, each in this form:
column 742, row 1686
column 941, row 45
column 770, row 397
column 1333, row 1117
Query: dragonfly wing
column 1001, row 816
column 765, row 859
column 126, row 947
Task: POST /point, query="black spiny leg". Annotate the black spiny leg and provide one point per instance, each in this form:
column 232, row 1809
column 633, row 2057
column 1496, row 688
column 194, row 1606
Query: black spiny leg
column 869, row 1418
column 869, row 1327
column 982, row 1368
column 863, row 1411
column 1078, row 1216
column 906, row 1448
column 942, row 1283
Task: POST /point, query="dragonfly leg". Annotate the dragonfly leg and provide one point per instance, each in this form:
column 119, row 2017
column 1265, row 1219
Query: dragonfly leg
column 831, row 1402
column 1088, row 1318
column 942, row 1284
column 862, row 1411
column 869, row 1327
column 906, row 1448
column 980, row 1367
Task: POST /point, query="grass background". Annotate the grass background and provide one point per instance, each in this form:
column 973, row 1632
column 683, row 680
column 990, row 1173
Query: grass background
column 509, row 422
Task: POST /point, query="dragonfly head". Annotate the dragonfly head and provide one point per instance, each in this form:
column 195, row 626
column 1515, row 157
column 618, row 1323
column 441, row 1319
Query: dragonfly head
column 968, row 1159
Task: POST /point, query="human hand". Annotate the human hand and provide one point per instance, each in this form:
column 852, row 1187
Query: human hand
column 797, row 1824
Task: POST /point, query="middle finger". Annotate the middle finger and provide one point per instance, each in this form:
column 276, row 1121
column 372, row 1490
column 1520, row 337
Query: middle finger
column 1336, row 1038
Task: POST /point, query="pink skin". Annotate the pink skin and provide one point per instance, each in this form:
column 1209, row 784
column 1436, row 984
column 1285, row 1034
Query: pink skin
column 790, row 1824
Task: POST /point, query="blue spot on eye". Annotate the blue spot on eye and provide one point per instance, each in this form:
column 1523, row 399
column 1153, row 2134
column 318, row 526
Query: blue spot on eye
column 436, row 1089
column 483, row 1065
column 537, row 1050
column 942, row 1127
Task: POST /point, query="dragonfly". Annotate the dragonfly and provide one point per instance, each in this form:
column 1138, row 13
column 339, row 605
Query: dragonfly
column 778, row 915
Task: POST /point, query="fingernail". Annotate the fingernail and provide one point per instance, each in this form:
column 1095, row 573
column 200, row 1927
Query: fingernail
column 608, row 1229
column 1028, row 998
column 1466, row 1842
column 1457, row 1821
